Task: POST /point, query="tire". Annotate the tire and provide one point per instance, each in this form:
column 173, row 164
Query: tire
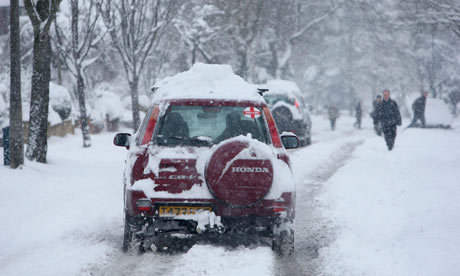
column 283, row 242
column 127, row 238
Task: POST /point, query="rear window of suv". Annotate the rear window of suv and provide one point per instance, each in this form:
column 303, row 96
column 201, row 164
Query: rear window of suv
column 202, row 125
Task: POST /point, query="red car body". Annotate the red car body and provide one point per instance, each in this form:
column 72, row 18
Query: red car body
column 231, row 175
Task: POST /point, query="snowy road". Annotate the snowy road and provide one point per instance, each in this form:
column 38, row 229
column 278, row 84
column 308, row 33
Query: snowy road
column 65, row 218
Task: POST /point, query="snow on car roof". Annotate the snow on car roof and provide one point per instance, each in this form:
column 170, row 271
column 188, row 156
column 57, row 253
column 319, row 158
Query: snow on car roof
column 284, row 87
column 206, row 81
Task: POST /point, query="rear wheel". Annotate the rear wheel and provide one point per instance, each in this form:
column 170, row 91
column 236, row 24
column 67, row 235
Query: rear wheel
column 283, row 240
column 129, row 238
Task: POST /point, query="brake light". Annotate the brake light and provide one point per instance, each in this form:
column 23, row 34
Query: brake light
column 272, row 128
column 296, row 103
column 151, row 125
column 279, row 209
column 144, row 205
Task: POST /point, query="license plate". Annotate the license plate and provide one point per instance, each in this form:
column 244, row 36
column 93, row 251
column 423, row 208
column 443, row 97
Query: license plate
column 182, row 210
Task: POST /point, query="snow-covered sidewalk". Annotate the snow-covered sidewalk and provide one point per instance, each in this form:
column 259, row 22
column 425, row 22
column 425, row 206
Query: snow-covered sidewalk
column 397, row 213
column 58, row 217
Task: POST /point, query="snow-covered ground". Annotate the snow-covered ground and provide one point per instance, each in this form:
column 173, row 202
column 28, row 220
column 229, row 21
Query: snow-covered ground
column 361, row 210
column 398, row 213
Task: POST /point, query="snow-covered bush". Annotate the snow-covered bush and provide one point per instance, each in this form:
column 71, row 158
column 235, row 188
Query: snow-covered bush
column 3, row 104
column 436, row 110
column 60, row 106
column 106, row 107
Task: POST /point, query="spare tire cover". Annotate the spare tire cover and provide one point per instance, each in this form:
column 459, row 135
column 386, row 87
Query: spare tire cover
column 239, row 174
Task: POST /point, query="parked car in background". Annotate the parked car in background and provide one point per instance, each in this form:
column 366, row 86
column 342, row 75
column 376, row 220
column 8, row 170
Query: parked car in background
column 206, row 162
column 289, row 109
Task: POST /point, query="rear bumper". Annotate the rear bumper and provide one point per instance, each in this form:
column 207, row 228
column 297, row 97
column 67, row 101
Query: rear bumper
column 282, row 207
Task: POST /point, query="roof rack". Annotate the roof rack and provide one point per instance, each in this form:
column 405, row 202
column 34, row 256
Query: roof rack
column 154, row 89
column 262, row 91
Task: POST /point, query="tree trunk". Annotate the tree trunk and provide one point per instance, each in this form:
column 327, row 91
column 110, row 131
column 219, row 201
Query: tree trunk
column 16, row 130
column 38, row 122
column 80, row 82
column 243, row 68
column 83, row 114
column 133, row 85
column 194, row 53
column 273, row 68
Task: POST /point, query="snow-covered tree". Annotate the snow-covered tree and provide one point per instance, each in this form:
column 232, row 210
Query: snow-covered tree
column 135, row 29
column 289, row 21
column 76, row 49
column 196, row 30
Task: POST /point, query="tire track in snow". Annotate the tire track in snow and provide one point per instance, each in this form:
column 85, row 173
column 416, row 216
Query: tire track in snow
column 313, row 230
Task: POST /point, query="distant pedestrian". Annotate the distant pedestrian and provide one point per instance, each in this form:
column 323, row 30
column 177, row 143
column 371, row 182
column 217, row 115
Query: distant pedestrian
column 389, row 116
column 333, row 113
column 358, row 115
column 418, row 108
column 375, row 104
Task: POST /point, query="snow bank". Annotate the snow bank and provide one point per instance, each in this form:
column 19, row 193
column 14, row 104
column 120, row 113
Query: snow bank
column 436, row 111
column 206, row 81
column 56, row 218
column 397, row 213
column 4, row 115
column 108, row 104
column 59, row 99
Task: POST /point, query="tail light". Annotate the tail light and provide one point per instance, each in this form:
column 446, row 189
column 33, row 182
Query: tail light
column 144, row 205
column 279, row 209
column 151, row 125
column 297, row 104
column 276, row 140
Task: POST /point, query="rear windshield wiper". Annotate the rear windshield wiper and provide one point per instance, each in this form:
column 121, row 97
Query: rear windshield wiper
column 201, row 141
column 170, row 140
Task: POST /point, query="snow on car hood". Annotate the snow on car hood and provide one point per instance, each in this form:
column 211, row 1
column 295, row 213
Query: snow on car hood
column 206, row 81
column 282, row 176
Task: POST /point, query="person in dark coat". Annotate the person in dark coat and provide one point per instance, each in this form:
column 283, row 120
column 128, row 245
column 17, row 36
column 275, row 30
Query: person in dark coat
column 389, row 116
column 375, row 104
column 418, row 108
column 358, row 115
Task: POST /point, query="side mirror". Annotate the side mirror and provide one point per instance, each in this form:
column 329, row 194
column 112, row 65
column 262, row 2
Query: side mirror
column 290, row 140
column 122, row 140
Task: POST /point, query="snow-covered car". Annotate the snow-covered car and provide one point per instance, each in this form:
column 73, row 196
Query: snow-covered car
column 289, row 109
column 207, row 161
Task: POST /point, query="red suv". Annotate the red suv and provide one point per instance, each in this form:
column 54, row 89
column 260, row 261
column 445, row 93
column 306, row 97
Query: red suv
column 206, row 162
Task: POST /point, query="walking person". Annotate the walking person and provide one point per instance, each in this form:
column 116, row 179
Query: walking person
column 389, row 116
column 333, row 113
column 358, row 115
column 376, row 104
column 418, row 108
